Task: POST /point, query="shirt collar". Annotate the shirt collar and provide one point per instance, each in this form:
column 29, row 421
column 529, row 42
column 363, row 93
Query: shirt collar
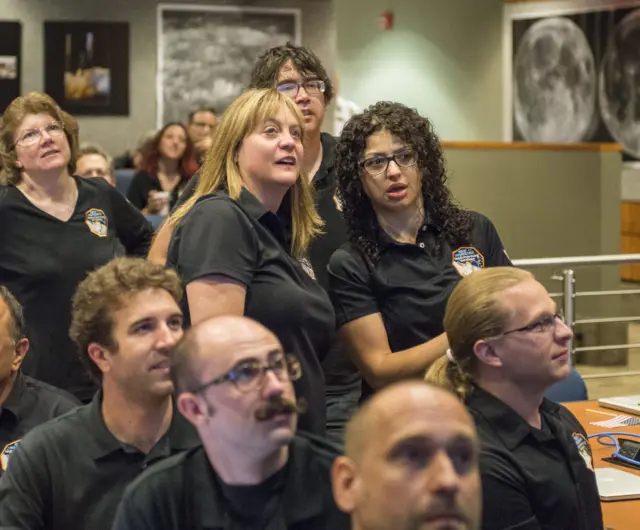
column 278, row 224
column 14, row 402
column 300, row 502
column 181, row 435
column 506, row 423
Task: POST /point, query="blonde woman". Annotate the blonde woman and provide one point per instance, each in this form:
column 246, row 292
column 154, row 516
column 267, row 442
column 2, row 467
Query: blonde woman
column 55, row 228
column 508, row 345
column 239, row 243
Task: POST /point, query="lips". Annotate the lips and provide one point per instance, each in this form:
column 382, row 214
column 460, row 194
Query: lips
column 51, row 152
column 287, row 161
column 162, row 365
column 563, row 353
column 394, row 188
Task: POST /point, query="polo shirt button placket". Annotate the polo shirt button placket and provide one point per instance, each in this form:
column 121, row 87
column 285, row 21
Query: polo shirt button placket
column 421, row 245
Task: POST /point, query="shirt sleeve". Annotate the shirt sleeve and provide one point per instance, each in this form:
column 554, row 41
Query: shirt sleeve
column 350, row 288
column 138, row 192
column 24, row 488
column 132, row 228
column 506, row 504
column 496, row 255
column 215, row 237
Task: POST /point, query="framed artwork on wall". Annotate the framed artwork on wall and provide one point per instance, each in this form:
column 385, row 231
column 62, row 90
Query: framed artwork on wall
column 572, row 72
column 206, row 53
column 10, row 48
column 86, row 66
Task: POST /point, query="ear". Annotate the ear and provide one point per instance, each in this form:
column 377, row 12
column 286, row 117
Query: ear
column 99, row 355
column 485, row 352
column 20, row 350
column 194, row 408
column 345, row 483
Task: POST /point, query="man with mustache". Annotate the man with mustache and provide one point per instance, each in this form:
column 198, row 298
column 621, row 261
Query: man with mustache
column 235, row 385
column 411, row 462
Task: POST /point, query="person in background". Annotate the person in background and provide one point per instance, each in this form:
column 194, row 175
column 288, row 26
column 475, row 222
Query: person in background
column 167, row 167
column 132, row 159
column 233, row 382
column 93, row 162
column 409, row 244
column 70, row 473
column 298, row 73
column 56, row 228
column 24, row 401
column 240, row 249
column 411, row 461
column 508, row 345
column 201, row 123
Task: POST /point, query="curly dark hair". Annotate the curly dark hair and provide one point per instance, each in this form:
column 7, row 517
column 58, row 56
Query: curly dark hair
column 267, row 67
column 441, row 212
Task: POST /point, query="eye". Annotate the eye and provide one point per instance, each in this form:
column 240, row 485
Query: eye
column 406, row 157
column 296, row 133
column 53, row 127
column 287, row 87
column 244, row 373
column 175, row 323
column 144, row 327
column 463, row 458
column 375, row 161
column 271, row 131
column 30, row 135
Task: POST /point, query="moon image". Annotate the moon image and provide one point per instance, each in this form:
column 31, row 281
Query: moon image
column 619, row 84
column 555, row 83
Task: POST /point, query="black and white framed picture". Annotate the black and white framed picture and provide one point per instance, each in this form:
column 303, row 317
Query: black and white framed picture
column 206, row 53
column 10, row 50
column 87, row 66
column 572, row 73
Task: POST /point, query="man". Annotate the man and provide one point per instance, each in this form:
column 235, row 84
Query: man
column 24, row 402
column 93, row 161
column 411, row 462
column 234, row 384
column 201, row 123
column 70, row 473
column 297, row 72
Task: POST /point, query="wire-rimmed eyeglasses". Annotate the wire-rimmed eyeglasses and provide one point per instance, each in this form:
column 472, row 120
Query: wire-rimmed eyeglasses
column 248, row 376
column 34, row 136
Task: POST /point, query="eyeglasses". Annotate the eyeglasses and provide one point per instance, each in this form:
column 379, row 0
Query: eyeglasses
column 248, row 376
column 312, row 87
column 34, row 136
column 378, row 164
column 539, row 326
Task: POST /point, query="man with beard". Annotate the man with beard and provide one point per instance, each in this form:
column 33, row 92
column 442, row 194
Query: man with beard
column 411, row 462
column 235, row 385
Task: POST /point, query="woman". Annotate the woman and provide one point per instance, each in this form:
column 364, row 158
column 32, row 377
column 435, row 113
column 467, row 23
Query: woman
column 168, row 165
column 56, row 227
column 508, row 346
column 239, row 243
column 409, row 244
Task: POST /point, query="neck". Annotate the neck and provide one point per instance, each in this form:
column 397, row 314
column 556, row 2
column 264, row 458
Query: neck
column 402, row 226
column 238, row 468
column 312, row 153
column 168, row 166
column 54, row 185
column 133, row 421
column 523, row 399
column 270, row 197
column 6, row 387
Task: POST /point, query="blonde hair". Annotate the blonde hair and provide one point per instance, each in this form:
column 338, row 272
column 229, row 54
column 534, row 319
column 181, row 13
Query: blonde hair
column 14, row 114
column 221, row 171
column 474, row 312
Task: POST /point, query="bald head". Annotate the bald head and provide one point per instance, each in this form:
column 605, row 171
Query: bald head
column 411, row 456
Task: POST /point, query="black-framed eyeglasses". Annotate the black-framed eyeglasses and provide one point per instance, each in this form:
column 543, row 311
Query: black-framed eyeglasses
column 34, row 136
column 312, row 87
column 379, row 163
column 248, row 376
column 541, row 325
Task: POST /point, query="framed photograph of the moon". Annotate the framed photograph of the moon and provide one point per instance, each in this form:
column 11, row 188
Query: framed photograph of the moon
column 206, row 53
column 574, row 76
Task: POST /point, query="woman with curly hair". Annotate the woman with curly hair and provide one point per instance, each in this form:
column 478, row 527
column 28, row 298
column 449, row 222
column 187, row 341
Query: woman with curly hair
column 409, row 244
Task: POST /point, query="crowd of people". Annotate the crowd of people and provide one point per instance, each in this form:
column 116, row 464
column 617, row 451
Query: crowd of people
column 259, row 361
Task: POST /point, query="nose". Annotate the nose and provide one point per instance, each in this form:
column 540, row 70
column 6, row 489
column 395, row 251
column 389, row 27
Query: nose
column 563, row 332
column 302, row 95
column 271, row 385
column 167, row 337
column 443, row 477
column 287, row 141
column 393, row 169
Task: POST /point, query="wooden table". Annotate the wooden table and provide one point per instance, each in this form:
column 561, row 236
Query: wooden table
column 618, row 515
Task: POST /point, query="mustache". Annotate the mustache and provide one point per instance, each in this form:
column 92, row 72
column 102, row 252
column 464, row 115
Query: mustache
column 280, row 405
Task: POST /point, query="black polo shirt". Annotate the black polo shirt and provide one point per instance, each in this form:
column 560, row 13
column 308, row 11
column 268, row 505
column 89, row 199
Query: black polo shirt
column 244, row 241
column 410, row 284
column 341, row 374
column 534, row 478
column 29, row 404
column 70, row 473
column 185, row 492
column 43, row 259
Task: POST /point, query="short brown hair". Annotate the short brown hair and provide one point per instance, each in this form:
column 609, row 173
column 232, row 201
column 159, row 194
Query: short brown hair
column 106, row 290
column 14, row 114
column 265, row 71
column 474, row 312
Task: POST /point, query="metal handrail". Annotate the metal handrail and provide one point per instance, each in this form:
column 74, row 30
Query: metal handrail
column 572, row 261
